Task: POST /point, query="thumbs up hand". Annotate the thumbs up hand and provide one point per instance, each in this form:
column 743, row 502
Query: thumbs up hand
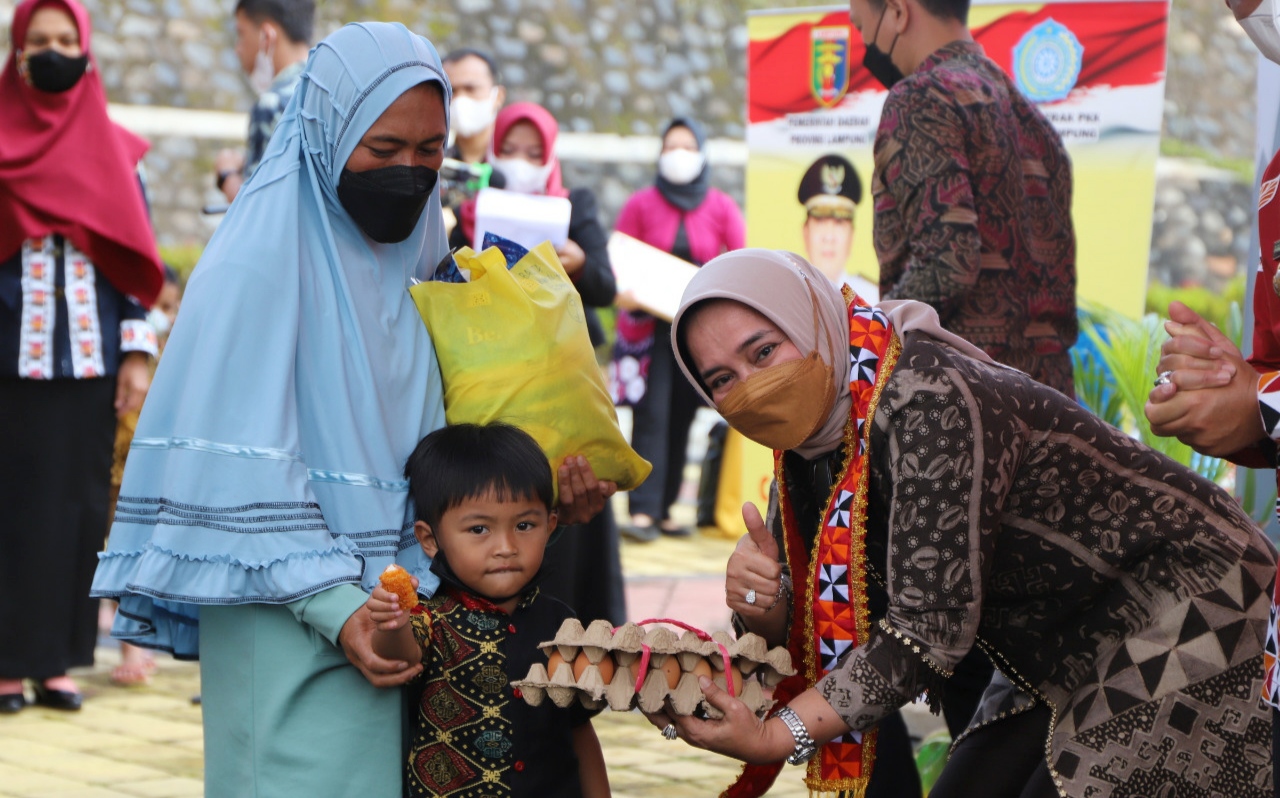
column 758, row 532
column 753, row 570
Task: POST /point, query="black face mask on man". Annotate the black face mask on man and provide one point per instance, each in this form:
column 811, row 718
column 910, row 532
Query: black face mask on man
column 386, row 203
column 51, row 71
column 878, row 62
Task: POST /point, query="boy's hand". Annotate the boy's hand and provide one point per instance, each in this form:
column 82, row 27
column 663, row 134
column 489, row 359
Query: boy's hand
column 384, row 609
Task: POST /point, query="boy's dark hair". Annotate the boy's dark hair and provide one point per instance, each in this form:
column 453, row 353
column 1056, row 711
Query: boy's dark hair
column 297, row 18
column 942, row 9
column 460, row 53
column 467, row 461
column 171, row 275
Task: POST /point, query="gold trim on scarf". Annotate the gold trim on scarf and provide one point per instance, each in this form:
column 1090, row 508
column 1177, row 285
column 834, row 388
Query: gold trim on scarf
column 849, row 787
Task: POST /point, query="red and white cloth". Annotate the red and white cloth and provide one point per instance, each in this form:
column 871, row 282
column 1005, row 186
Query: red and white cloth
column 1266, row 359
column 40, row 314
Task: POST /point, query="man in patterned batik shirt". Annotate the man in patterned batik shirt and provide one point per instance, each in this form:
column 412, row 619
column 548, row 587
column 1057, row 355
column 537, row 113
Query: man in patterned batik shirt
column 1206, row 393
column 972, row 190
column 272, row 41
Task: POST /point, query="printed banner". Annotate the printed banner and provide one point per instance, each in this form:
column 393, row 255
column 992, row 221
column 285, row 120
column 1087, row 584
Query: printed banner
column 1095, row 68
column 1097, row 71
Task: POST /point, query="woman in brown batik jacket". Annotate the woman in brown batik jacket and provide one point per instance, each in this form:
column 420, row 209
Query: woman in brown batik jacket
column 1122, row 597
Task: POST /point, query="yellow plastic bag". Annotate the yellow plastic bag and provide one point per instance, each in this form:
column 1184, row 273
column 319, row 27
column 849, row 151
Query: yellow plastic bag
column 513, row 347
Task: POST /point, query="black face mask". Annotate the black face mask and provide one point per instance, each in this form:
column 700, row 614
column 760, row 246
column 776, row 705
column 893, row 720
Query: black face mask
column 387, row 203
column 878, row 62
column 441, row 568
column 51, row 71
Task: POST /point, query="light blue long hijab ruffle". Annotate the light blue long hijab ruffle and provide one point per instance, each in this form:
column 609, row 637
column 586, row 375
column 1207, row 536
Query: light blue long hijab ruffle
column 268, row 462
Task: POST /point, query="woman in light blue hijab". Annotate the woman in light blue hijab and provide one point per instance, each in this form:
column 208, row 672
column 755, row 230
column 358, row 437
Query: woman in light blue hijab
column 264, row 487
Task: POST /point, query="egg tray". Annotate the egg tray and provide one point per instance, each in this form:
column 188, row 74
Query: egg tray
column 600, row 666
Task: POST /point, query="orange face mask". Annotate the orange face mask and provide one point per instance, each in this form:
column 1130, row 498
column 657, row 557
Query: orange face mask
column 782, row 406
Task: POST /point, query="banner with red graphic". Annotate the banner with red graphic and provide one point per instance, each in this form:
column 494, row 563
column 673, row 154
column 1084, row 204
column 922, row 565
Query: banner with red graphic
column 1096, row 69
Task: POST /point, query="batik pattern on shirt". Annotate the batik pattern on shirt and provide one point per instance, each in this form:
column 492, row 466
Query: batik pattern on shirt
column 972, row 193
column 266, row 113
column 1107, row 583
column 474, row 736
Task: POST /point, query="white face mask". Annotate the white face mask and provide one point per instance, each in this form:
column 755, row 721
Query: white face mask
column 681, row 166
column 264, row 69
column 470, row 116
column 523, row 177
column 160, row 321
column 1264, row 30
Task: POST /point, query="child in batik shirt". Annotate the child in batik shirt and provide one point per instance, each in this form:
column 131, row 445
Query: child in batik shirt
column 484, row 497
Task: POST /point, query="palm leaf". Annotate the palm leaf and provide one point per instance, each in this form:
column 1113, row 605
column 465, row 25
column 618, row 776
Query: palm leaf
column 1114, row 379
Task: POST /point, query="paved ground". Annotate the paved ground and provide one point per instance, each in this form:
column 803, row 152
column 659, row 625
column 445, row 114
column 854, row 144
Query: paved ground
column 146, row 742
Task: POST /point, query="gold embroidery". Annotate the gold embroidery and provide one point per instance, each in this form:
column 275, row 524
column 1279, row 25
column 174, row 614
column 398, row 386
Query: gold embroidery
column 852, row 787
column 1022, row 682
column 928, row 660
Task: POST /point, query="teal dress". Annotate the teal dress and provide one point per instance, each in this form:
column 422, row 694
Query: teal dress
column 289, row 707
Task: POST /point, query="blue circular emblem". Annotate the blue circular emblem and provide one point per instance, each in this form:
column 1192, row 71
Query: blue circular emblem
column 1046, row 62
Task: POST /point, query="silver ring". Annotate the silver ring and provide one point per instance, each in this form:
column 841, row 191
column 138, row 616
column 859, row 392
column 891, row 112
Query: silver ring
column 1164, row 378
column 751, row 597
column 669, row 731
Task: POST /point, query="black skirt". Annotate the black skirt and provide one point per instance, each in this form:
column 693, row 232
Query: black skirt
column 56, row 440
column 583, row 568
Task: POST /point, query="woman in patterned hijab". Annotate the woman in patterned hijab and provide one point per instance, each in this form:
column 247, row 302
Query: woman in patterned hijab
column 1122, row 597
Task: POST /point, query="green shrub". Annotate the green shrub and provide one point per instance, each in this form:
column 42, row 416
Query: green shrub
column 1214, row 307
column 1114, row 377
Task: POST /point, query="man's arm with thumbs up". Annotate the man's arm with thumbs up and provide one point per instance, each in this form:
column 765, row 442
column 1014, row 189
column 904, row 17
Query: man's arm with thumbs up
column 754, row 566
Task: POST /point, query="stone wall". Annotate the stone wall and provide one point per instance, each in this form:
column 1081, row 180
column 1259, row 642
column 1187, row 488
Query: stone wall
column 1200, row 229
column 1212, row 66
column 598, row 65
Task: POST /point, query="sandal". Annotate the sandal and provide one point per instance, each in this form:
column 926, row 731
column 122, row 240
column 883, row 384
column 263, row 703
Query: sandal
column 674, row 530
column 134, row 674
column 644, row 533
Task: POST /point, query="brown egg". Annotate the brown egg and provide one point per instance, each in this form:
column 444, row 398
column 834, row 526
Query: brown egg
column 606, row 666
column 580, row 664
column 671, row 668
column 554, row 662
column 734, row 674
column 702, row 668
column 737, row 679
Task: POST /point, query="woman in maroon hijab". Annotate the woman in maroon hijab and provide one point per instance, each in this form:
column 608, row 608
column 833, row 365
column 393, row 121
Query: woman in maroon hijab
column 78, row 267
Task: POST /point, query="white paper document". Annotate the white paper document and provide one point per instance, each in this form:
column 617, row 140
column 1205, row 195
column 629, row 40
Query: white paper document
column 655, row 279
column 526, row 219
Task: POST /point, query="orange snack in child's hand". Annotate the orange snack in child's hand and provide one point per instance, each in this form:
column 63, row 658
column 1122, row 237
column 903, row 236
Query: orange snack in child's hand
column 397, row 580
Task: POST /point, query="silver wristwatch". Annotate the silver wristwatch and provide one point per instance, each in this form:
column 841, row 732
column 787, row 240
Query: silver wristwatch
column 805, row 746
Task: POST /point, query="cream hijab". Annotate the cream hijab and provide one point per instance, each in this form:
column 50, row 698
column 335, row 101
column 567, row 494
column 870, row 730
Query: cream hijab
column 789, row 291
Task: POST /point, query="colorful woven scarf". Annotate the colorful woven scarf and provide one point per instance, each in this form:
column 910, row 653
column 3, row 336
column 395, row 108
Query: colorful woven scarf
column 829, row 615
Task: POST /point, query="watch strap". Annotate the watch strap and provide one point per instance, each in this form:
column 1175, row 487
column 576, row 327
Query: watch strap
column 805, row 745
